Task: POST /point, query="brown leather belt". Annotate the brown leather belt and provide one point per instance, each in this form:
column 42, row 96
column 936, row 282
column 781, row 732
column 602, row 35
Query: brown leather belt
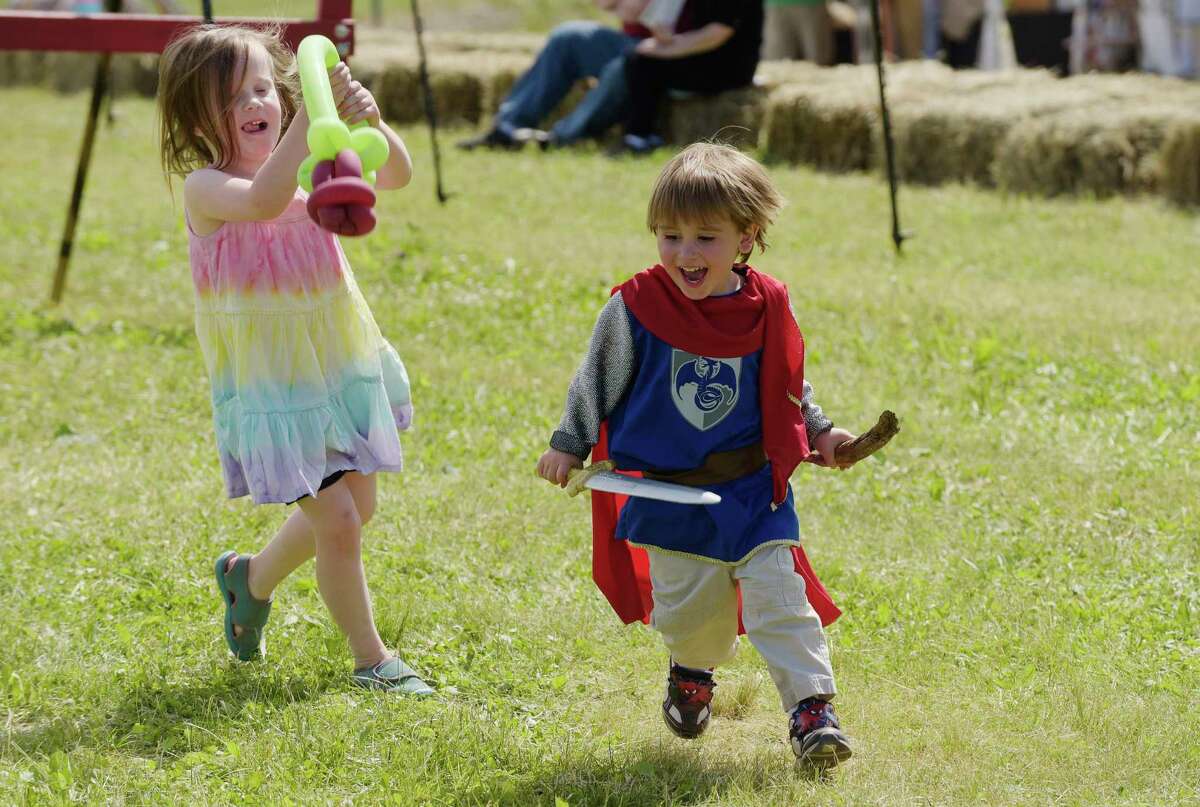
column 718, row 467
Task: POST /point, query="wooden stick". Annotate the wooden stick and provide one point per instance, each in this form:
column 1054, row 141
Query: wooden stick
column 869, row 441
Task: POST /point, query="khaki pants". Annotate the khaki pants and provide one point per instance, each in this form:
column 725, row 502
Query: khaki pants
column 798, row 32
column 695, row 610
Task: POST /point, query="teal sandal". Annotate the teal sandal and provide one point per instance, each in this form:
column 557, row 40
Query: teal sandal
column 242, row 609
column 391, row 675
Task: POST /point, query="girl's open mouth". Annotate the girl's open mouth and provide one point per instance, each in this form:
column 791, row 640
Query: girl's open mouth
column 254, row 127
column 694, row 277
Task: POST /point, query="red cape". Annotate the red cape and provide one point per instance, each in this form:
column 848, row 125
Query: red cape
column 720, row 327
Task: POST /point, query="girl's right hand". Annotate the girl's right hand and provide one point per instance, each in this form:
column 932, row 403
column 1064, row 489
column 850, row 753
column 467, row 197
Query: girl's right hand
column 554, row 465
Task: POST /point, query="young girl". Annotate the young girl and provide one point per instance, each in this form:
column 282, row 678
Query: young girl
column 307, row 395
column 696, row 368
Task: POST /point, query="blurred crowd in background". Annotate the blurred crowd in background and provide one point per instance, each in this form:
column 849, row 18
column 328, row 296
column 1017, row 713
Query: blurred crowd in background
column 1069, row 36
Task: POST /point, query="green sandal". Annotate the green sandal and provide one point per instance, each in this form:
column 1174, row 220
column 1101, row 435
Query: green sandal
column 242, row 609
column 391, row 675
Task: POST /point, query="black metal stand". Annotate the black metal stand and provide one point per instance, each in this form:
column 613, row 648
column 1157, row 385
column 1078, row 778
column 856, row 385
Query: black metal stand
column 430, row 108
column 898, row 236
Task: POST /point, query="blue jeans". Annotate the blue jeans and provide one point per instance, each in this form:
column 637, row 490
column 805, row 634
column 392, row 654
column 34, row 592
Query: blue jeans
column 931, row 28
column 574, row 51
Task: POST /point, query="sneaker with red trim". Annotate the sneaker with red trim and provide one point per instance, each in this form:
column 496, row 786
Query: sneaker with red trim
column 816, row 737
column 688, row 705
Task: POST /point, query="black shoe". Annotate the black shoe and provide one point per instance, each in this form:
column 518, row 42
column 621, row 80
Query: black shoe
column 688, row 705
column 816, row 737
column 491, row 139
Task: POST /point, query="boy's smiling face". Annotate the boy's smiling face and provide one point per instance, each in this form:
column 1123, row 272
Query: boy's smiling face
column 699, row 255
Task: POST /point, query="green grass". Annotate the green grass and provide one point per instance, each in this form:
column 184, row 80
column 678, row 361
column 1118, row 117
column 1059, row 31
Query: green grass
column 1020, row 571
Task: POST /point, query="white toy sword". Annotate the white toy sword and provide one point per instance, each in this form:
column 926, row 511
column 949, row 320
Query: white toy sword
column 601, row 476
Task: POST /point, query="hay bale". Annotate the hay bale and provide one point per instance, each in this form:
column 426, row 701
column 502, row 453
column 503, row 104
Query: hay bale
column 734, row 116
column 381, row 44
column 518, row 43
column 829, row 128
column 8, row 67
column 948, row 140
column 1099, row 150
column 776, row 73
column 1180, row 162
column 68, row 71
column 457, row 90
column 28, row 67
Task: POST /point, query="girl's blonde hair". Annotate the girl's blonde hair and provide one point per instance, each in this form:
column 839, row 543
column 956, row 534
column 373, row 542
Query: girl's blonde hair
column 196, row 78
column 709, row 181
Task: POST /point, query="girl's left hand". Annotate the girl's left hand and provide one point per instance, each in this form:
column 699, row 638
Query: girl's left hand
column 355, row 101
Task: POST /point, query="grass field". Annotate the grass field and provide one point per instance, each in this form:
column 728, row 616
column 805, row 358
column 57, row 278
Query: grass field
column 1020, row 571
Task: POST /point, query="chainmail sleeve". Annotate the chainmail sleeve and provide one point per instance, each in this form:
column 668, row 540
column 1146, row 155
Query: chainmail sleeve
column 600, row 382
column 815, row 422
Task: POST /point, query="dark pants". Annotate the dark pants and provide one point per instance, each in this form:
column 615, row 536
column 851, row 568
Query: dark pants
column 650, row 79
column 574, row 50
column 963, row 53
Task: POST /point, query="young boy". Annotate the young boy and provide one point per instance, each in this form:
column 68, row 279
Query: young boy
column 696, row 371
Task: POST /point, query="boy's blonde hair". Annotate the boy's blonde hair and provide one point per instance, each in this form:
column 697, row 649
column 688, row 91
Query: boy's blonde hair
column 196, row 77
column 709, row 181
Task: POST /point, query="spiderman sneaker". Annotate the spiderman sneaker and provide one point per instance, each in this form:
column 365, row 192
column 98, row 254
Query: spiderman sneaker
column 817, row 739
column 688, row 704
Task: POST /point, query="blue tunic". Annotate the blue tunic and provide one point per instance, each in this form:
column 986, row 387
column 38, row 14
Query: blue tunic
column 679, row 409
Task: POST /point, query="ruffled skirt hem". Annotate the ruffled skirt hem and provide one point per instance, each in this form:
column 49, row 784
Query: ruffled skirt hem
column 279, row 457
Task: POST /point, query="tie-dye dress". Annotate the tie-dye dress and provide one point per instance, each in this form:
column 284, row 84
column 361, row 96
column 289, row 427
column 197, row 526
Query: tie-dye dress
column 303, row 383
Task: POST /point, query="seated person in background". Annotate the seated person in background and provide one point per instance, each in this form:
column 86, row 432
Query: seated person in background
column 962, row 24
column 574, row 51
column 715, row 48
column 798, row 29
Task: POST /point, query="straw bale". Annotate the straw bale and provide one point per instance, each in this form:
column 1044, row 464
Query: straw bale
column 772, row 74
column 26, row 67
column 1181, row 162
column 829, row 128
column 467, row 86
column 381, row 44
column 734, row 116
column 456, row 81
column 68, row 71
column 522, row 44
column 948, row 140
column 1102, row 151
column 1138, row 87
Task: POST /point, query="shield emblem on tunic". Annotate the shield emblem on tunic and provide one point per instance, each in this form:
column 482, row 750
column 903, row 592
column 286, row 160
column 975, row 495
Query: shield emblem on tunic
column 704, row 389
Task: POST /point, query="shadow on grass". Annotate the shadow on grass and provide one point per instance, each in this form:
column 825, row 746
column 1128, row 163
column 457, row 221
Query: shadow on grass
column 653, row 772
column 156, row 717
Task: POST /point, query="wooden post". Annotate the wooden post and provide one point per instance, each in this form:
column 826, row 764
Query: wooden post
column 99, row 90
